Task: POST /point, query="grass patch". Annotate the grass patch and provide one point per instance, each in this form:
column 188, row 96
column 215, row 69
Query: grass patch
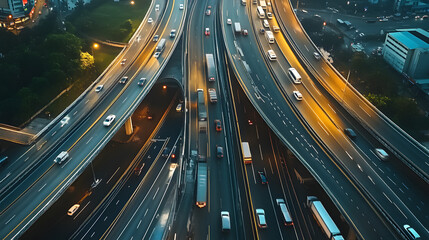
column 107, row 20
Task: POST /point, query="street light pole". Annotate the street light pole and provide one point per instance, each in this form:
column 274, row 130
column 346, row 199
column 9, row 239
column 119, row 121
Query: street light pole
column 96, row 181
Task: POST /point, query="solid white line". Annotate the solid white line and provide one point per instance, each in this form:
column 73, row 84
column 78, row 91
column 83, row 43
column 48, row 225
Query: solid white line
column 155, row 193
column 9, row 220
column 81, row 210
column 391, row 180
column 139, row 224
column 323, row 128
column 260, row 152
column 7, row 175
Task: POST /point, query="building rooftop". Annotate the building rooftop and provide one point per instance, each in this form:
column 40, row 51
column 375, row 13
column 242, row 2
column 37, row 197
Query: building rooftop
column 412, row 38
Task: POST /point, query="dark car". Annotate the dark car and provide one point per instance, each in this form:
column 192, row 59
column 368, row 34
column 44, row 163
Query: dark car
column 219, row 151
column 350, row 133
column 263, row 177
column 166, row 152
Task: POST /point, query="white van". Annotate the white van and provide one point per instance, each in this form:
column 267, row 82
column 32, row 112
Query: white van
column 294, row 75
column 287, row 220
column 271, row 55
column 266, row 24
column 243, row 2
column 61, row 157
column 226, row 221
column 270, row 36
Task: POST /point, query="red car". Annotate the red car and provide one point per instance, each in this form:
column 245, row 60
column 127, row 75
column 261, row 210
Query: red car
column 218, row 125
column 207, row 32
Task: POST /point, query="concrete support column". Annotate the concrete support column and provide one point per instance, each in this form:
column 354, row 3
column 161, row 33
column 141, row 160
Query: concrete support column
column 129, row 126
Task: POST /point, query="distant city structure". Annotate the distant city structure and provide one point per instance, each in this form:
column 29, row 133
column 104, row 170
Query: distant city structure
column 11, row 10
column 410, row 5
column 407, row 51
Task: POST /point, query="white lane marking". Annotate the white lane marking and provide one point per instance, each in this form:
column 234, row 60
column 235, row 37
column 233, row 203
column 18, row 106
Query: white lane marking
column 371, row 180
column 387, row 197
column 391, row 180
column 105, row 219
column 81, row 210
column 325, row 71
column 360, row 168
column 332, row 108
column 53, row 133
column 89, row 140
column 400, row 210
column 364, row 111
column 145, row 212
column 74, row 113
column 306, row 48
column 403, row 184
column 260, row 152
column 257, row 131
column 125, row 99
column 349, row 155
column 26, row 159
column 139, row 224
column 8, row 221
column 323, row 128
column 155, row 193
column 40, row 189
column 86, row 101
column 117, row 202
column 7, row 175
column 113, row 175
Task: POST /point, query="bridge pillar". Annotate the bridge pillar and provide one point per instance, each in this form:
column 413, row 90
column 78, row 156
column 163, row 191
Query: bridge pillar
column 129, row 126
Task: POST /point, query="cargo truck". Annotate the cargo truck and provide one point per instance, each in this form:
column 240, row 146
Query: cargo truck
column 201, row 200
column 323, row 219
column 237, row 28
column 211, row 68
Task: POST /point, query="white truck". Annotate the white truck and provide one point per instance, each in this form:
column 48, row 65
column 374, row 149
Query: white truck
column 212, row 95
column 237, row 28
column 263, row 4
column 325, row 221
column 270, row 36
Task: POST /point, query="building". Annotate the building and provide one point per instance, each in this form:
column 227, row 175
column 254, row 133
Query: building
column 407, row 51
column 15, row 9
column 410, row 5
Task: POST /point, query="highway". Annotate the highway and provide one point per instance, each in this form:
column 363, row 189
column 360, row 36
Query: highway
column 116, row 166
column 37, row 191
column 205, row 222
column 383, row 181
column 391, row 136
column 269, row 101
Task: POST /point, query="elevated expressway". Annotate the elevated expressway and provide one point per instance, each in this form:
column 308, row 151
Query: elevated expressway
column 399, row 195
column 286, row 118
column 26, row 198
column 407, row 149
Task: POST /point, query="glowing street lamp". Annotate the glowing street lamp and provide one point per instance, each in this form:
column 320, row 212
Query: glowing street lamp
column 132, row 2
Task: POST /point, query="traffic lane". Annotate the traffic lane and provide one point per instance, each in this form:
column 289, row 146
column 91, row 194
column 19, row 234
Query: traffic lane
column 161, row 104
column 372, row 156
column 141, row 208
column 284, row 123
column 51, row 175
column 350, row 152
column 171, row 126
column 358, row 106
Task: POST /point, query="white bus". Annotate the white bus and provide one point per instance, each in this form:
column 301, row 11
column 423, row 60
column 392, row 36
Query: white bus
column 294, row 75
column 261, row 13
column 270, row 36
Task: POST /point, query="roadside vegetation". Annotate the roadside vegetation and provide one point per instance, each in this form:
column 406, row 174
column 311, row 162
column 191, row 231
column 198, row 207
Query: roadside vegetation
column 58, row 60
column 109, row 20
column 372, row 77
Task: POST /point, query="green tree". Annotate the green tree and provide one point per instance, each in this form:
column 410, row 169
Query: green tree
column 127, row 25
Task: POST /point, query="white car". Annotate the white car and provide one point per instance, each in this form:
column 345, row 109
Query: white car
column 123, row 79
column 229, row 21
column 157, row 7
column 383, row 155
column 99, row 88
column 157, row 54
column 109, row 120
column 123, row 61
column 316, row 55
column 181, row 6
column 73, row 209
column 179, row 107
column 269, row 15
column 260, row 216
column 173, row 33
column 411, row 232
column 150, row 20
column 297, row 95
